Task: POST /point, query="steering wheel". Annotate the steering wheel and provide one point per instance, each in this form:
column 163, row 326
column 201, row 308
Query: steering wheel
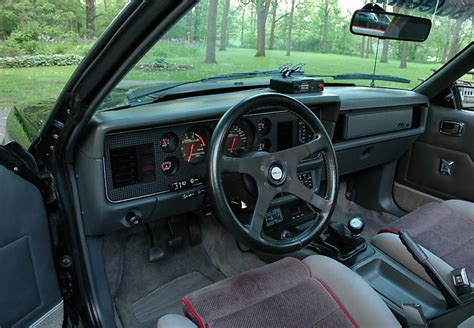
column 273, row 173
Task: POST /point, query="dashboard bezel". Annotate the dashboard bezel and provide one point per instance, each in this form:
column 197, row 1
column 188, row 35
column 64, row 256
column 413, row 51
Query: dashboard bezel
column 250, row 118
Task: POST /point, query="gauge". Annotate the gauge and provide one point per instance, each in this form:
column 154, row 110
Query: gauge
column 169, row 142
column 264, row 126
column 170, row 166
column 264, row 145
column 237, row 141
column 193, row 146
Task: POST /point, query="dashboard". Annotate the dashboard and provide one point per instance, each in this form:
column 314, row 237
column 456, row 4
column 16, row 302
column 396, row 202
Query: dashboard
column 151, row 161
column 167, row 159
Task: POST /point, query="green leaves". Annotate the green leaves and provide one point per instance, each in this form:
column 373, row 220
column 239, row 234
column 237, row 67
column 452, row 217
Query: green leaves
column 39, row 60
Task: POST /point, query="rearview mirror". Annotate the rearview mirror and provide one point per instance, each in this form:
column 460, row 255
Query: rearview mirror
column 384, row 25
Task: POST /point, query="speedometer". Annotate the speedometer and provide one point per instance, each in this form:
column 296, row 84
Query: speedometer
column 193, row 146
column 238, row 140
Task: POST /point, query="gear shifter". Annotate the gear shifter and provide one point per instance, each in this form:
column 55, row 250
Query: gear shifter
column 356, row 226
column 347, row 238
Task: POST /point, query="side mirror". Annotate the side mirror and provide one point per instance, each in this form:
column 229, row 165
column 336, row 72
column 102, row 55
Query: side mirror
column 384, row 25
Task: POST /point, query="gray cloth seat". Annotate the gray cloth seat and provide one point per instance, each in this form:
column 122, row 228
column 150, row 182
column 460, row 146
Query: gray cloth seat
column 445, row 229
column 315, row 292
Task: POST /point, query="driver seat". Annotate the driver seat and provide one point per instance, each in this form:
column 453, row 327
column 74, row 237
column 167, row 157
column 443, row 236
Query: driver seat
column 315, row 292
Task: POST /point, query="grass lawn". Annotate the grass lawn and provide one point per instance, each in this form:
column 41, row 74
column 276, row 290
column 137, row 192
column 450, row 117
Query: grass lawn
column 22, row 87
column 243, row 60
column 27, row 85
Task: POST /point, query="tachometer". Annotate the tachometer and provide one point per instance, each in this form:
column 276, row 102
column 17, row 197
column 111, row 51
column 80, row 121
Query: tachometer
column 237, row 141
column 193, row 146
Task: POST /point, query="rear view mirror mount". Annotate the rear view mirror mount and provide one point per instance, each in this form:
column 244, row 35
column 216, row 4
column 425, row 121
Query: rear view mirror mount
column 376, row 22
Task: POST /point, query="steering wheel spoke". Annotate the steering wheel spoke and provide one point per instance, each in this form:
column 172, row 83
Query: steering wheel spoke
column 298, row 153
column 296, row 188
column 264, row 199
column 249, row 165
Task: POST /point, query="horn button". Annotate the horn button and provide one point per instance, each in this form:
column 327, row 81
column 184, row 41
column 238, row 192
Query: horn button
column 276, row 174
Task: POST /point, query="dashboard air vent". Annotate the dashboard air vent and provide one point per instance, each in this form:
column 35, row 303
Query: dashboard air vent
column 124, row 166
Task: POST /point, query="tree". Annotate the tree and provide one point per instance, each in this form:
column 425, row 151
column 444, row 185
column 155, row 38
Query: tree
column 384, row 55
column 404, row 54
column 225, row 14
column 362, row 47
column 242, row 26
column 262, row 7
column 90, row 15
column 211, row 33
column 455, row 38
column 271, row 42
column 324, row 42
column 290, row 27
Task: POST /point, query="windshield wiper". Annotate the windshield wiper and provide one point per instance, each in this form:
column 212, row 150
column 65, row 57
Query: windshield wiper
column 157, row 92
column 363, row 76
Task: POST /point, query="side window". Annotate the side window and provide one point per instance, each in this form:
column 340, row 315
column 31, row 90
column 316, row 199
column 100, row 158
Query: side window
column 41, row 44
column 466, row 93
column 465, row 86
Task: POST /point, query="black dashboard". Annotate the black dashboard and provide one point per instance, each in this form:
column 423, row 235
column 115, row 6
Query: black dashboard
column 166, row 159
column 151, row 161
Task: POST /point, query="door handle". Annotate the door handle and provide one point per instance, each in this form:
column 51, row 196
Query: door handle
column 451, row 128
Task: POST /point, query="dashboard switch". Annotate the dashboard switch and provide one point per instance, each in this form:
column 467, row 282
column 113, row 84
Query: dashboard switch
column 133, row 219
column 306, row 179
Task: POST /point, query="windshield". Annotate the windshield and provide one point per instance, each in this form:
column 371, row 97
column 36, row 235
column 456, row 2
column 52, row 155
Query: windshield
column 228, row 36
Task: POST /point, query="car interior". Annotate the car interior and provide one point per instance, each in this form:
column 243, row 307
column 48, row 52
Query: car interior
column 287, row 205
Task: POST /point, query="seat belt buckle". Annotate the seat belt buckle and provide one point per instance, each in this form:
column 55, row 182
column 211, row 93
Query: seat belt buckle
column 414, row 316
column 461, row 281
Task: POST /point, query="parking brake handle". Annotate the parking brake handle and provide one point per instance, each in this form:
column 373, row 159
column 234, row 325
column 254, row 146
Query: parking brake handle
column 452, row 300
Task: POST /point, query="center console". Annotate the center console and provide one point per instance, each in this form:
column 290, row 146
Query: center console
column 398, row 286
column 423, row 287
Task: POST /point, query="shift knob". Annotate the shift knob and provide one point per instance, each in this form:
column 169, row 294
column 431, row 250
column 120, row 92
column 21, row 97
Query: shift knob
column 356, row 226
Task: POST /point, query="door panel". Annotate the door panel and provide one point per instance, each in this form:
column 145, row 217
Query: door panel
column 421, row 168
column 28, row 281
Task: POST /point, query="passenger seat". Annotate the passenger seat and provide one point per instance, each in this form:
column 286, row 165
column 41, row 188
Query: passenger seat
column 445, row 229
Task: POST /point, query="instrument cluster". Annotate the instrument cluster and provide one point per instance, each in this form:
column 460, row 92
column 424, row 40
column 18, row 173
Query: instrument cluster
column 175, row 157
column 193, row 144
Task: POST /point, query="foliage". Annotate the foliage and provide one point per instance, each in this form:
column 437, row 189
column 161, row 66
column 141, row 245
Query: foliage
column 39, row 60
column 160, row 64
column 16, row 131
column 25, row 122
column 37, row 34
